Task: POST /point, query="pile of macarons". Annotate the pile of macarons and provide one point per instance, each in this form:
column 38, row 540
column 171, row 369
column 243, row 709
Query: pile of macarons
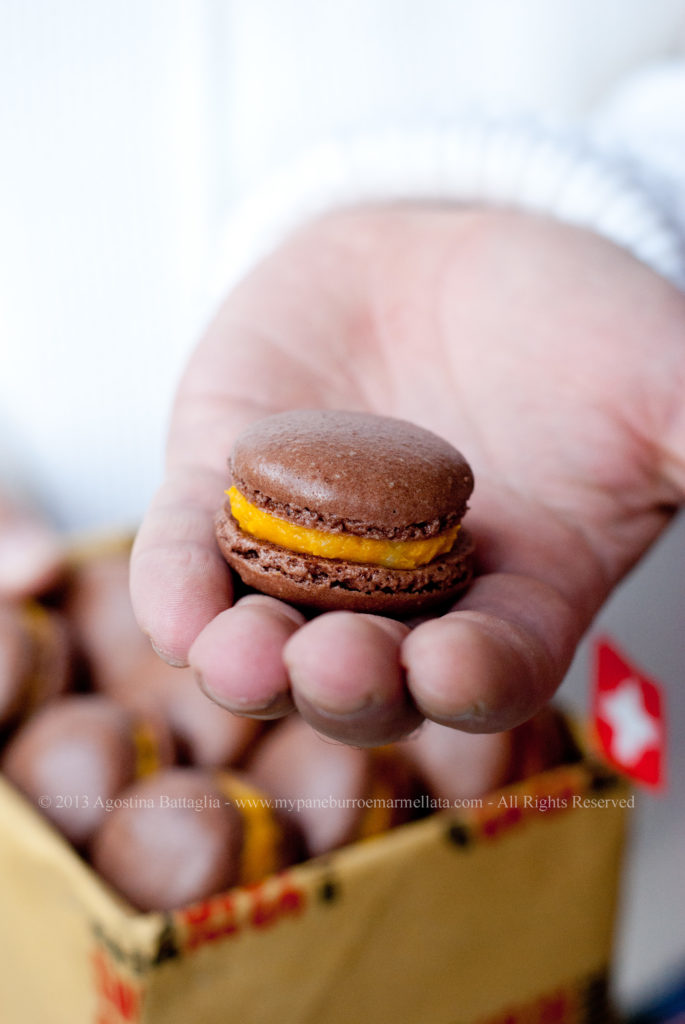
column 173, row 799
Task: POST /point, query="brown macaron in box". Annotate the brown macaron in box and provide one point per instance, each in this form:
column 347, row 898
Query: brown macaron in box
column 332, row 509
column 78, row 753
column 35, row 660
column 101, row 769
column 185, row 834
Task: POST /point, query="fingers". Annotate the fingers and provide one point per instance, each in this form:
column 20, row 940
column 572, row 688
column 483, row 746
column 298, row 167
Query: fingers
column 238, row 658
column 347, row 680
column 366, row 680
column 485, row 667
column 31, row 554
column 496, row 659
column 179, row 581
column 342, row 671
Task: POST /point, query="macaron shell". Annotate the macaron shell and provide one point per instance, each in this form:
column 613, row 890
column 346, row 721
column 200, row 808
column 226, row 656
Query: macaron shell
column 374, row 476
column 99, row 609
column 295, row 763
column 161, row 855
column 53, row 664
column 74, row 754
column 326, row 583
column 458, row 765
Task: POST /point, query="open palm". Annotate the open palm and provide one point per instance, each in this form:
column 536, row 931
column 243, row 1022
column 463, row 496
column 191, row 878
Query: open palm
column 553, row 360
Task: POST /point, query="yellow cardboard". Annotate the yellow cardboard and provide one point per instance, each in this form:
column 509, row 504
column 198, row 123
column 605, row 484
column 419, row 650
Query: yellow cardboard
column 495, row 914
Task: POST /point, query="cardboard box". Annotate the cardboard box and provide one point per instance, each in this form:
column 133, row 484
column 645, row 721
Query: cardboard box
column 496, row 914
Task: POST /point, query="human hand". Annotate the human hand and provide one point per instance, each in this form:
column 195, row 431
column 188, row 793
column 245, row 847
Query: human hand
column 552, row 359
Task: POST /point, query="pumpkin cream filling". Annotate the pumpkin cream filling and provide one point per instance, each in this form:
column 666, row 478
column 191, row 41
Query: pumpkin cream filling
column 393, row 554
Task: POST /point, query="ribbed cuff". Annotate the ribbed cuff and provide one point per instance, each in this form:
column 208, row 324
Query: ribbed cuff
column 508, row 165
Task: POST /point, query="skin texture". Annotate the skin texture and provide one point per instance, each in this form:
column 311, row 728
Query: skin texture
column 551, row 358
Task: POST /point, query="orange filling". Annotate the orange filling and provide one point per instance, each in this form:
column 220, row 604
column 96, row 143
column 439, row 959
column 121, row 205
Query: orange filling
column 147, row 750
column 393, row 554
column 262, row 832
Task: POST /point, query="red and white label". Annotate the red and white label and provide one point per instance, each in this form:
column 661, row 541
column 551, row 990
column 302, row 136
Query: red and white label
column 629, row 717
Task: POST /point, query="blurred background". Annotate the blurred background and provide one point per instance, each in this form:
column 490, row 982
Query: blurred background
column 129, row 132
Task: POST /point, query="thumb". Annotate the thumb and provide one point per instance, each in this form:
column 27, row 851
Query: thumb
column 179, row 579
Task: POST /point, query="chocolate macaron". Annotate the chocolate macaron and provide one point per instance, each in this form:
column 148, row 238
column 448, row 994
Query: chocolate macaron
column 335, row 793
column 331, row 509
column 185, row 834
column 77, row 753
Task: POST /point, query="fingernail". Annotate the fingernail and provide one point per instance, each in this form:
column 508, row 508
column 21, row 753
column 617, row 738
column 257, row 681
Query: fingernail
column 372, row 726
column 475, row 719
column 277, row 707
column 169, row 658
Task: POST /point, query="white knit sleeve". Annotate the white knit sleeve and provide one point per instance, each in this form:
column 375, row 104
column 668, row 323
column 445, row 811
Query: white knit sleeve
column 515, row 165
column 643, row 119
